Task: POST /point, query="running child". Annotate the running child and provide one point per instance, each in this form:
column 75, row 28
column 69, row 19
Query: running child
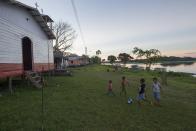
column 156, row 87
column 141, row 93
column 124, row 84
column 110, row 92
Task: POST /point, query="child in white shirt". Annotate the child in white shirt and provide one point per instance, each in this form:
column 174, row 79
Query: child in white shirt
column 156, row 87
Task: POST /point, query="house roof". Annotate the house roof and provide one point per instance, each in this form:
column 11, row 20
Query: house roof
column 58, row 54
column 47, row 18
column 36, row 15
column 73, row 57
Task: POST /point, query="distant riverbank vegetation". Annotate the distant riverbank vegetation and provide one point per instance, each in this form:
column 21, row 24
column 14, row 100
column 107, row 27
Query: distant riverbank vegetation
column 171, row 60
column 175, row 59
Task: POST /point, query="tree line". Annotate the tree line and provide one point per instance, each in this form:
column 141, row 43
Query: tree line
column 65, row 36
column 149, row 56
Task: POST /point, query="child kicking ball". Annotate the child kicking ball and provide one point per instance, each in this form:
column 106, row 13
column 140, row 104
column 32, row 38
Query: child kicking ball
column 141, row 94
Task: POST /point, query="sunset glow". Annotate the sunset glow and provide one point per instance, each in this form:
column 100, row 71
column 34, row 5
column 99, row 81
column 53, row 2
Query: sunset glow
column 120, row 25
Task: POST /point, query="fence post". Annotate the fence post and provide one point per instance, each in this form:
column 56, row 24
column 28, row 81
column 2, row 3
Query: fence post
column 10, row 84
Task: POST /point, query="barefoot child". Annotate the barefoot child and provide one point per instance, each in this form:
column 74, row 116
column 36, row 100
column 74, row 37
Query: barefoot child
column 156, row 87
column 110, row 92
column 141, row 95
column 124, row 83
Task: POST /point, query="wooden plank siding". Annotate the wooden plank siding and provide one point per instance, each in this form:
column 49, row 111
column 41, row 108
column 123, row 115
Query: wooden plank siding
column 15, row 69
column 39, row 67
column 7, row 69
column 13, row 27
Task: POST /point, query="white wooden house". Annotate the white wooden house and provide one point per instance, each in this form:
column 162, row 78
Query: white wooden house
column 26, row 40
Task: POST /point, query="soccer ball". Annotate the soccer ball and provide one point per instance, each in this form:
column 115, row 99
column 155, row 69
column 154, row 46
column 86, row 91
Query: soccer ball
column 130, row 101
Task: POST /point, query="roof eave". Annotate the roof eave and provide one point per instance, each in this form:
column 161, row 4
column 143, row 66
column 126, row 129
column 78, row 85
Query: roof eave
column 36, row 15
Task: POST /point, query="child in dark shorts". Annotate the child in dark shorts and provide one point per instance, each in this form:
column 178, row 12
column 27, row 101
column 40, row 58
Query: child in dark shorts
column 141, row 93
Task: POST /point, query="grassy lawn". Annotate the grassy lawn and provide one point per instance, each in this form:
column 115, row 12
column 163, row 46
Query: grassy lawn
column 79, row 103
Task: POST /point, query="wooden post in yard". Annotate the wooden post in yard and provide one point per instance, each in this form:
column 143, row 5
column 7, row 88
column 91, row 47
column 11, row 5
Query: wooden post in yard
column 10, row 84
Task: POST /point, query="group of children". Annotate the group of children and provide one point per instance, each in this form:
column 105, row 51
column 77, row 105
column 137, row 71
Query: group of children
column 156, row 88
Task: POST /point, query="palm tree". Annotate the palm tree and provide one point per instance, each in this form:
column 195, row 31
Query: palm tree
column 98, row 52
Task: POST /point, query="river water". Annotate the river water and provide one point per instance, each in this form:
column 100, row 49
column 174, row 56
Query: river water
column 186, row 68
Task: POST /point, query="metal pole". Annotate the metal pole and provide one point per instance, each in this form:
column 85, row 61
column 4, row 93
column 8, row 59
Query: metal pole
column 42, row 104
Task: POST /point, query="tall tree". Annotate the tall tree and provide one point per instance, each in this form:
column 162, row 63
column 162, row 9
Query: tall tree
column 65, row 35
column 98, row 52
column 85, row 59
column 112, row 58
column 151, row 56
column 95, row 60
column 124, row 57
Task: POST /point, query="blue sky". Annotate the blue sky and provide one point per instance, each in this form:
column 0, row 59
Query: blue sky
column 116, row 26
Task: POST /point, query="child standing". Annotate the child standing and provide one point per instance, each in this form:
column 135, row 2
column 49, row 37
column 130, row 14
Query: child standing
column 141, row 95
column 124, row 83
column 156, row 87
column 110, row 92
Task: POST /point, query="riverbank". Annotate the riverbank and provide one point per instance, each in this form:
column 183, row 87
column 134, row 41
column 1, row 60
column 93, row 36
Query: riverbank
column 80, row 103
column 181, row 68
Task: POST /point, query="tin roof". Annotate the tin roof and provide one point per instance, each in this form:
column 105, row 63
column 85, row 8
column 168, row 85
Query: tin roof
column 36, row 15
column 47, row 18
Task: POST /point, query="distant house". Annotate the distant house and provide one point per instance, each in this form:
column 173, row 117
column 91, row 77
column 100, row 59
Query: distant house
column 26, row 40
column 63, row 60
column 58, row 60
column 74, row 60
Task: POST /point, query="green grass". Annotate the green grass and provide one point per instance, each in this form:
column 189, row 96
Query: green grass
column 79, row 103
